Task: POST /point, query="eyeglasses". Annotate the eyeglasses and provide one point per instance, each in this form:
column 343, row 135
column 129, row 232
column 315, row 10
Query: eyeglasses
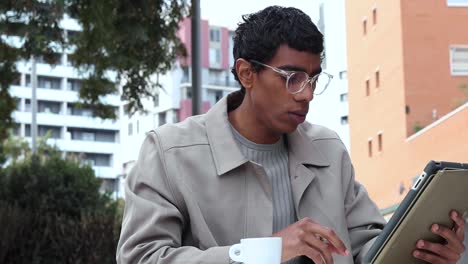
column 297, row 81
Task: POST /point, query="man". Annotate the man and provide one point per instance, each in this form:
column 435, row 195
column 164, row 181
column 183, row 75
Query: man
column 252, row 166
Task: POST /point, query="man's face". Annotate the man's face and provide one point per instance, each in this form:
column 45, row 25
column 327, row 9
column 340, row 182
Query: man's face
column 276, row 109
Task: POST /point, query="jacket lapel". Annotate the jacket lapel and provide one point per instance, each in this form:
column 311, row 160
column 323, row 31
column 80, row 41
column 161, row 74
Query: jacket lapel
column 303, row 152
column 301, row 178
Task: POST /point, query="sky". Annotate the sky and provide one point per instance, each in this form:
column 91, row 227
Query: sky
column 228, row 13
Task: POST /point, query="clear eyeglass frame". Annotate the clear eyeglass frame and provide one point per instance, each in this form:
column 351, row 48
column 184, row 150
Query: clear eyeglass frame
column 321, row 80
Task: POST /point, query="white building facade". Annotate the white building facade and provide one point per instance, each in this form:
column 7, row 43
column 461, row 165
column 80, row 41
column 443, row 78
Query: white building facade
column 74, row 130
column 330, row 109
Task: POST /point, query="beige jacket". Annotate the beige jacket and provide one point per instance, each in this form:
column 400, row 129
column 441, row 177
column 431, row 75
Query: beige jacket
column 192, row 193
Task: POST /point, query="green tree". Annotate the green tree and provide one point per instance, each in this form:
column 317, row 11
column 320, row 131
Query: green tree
column 135, row 39
column 48, row 182
column 36, row 24
column 51, row 211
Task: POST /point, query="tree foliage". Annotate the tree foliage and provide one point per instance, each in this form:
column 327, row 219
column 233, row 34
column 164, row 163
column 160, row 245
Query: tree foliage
column 51, row 210
column 49, row 183
column 36, row 24
column 122, row 41
column 135, row 39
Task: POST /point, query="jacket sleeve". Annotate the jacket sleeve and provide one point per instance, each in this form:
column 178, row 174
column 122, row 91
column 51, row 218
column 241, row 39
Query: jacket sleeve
column 364, row 220
column 153, row 223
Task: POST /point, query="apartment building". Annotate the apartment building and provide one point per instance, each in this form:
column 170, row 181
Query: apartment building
column 330, row 109
column 74, row 130
column 173, row 103
column 408, row 79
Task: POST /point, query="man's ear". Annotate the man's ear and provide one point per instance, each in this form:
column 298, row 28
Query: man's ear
column 245, row 73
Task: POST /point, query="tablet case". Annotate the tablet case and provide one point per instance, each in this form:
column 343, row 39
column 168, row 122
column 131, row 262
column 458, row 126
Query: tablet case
column 430, row 201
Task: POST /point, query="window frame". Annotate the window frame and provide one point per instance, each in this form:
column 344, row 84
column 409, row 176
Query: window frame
column 364, row 26
column 449, row 4
column 452, row 49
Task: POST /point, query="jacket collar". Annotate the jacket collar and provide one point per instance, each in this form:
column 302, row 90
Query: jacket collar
column 226, row 152
column 303, row 147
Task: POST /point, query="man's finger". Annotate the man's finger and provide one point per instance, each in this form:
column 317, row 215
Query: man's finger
column 329, row 235
column 459, row 224
column 453, row 241
column 313, row 245
column 438, row 249
column 428, row 257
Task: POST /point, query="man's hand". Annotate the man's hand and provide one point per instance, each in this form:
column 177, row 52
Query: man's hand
column 449, row 252
column 308, row 238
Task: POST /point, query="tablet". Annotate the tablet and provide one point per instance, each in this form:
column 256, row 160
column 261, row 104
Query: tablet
column 440, row 188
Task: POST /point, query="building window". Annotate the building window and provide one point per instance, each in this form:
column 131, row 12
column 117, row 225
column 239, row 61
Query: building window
column 367, row 87
column 215, row 56
column 185, row 75
column 55, row 132
column 126, row 109
column 162, row 118
column 97, row 135
column 369, row 147
column 48, row 107
column 73, row 109
column 45, row 82
column 18, row 104
column 88, row 136
column 364, row 26
column 457, row 2
column 374, row 16
column 27, row 105
column 459, row 60
column 217, row 77
column 377, row 79
column 137, row 126
column 73, row 85
column 48, row 82
column 344, row 120
column 156, row 100
column 215, row 35
column 130, row 129
column 93, row 159
column 343, row 75
column 218, row 95
column 379, row 138
column 344, row 97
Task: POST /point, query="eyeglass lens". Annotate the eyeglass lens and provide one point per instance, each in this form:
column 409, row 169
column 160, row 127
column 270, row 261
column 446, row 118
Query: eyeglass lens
column 300, row 80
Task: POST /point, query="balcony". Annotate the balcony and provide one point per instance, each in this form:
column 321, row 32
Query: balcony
column 105, row 172
column 223, row 83
column 52, row 119
column 54, row 95
column 82, row 146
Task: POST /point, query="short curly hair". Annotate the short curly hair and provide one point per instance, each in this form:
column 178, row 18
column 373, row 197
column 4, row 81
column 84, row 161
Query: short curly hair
column 259, row 36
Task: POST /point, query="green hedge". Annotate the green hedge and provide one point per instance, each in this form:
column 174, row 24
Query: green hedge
column 35, row 237
column 51, row 211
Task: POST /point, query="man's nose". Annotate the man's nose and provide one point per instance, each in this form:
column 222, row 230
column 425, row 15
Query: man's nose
column 307, row 94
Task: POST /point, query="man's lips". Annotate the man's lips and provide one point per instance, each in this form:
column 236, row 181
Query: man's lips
column 300, row 112
column 298, row 116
